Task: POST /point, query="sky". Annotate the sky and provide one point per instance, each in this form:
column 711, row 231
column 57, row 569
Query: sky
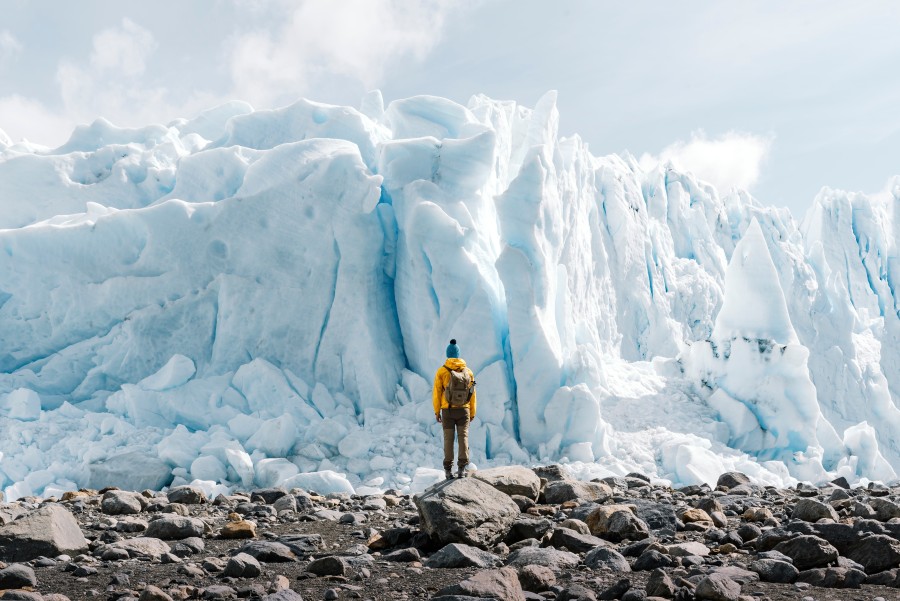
column 780, row 98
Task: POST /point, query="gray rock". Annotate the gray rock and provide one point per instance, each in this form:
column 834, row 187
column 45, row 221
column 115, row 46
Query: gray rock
column 833, row 577
column 660, row 585
column 152, row 593
column 456, row 555
column 188, row 546
column 563, row 538
column 217, row 592
column 655, row 515
column 512, row 480
column 17, row 576
column 731, row 479
column 551, row 558
column 876, row 553
column 286, row 503
column 284, row 595
column 811, row 510
column 617, row 590
column 242, row 566
column 624, row 525
column 466, row 510
column 525, row 527
column 773, row 570
column 134, row 470
column 175, row 527
column 20, row 595
column 267, row 495
column 718, row 587
column 49, row 531
column 576, row 592
column 188, row 495
column 141, row 547
column 561, row 491
column 488, row 584
column 884, row 509
column 605, row 558
column 403, row 555
column 552, row 473
column 808, row 552
column 889, row 578
column 328, row 566
column 576, row 525
column 268, row 551
column 536, row 579
column 652, row 559
column 122, row 502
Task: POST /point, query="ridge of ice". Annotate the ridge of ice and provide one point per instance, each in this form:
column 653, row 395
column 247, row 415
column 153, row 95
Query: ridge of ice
column 261, row 297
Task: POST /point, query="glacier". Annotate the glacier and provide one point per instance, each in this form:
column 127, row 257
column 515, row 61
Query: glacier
column 260, row 298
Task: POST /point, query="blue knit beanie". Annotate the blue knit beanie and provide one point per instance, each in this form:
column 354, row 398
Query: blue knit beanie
column 453, row 350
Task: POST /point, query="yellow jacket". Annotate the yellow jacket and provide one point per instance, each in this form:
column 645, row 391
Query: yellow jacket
column 442, row 379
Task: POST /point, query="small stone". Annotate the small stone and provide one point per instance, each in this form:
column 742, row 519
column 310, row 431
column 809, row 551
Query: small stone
column 328, row 566
column 238, row 530
column 330, row 595
column 242, row 565
column 536, row 579
column 616, row 591
column 718, row 587
column 152, row 593
column 17, row 575
column 189, row 495
column 659, row 584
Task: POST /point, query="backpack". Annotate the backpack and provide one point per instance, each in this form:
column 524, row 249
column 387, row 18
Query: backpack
column 459, row 388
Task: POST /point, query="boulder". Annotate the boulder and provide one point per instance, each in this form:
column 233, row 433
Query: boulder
column 606, row 558
column 560, row 491
column 456, row 555
column 512, row 480
column 807, row 551
column 811, row 510
column 141, row 546
column 488, row 584
column 466, row 510
column 773, row 570
column 617, row 523
column 718, row 587
column 17, row 576
column 876, row 553
column 122, row 502
column 652, row 559
column 269, row 551
column 884, row 509
column 528, row 527
column 563, row 538
column 660, row 585
column 536, row 579
column 175, row 527
column 328, row 566
column 188, row 495
column 731, row 479
column 833, row 577
column 49, row 531
column 552, row 473
column 548, row 557
column 242, row 565
column 688, row 548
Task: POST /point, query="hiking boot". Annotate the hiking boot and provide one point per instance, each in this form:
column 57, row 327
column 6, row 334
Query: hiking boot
column 448, row 475
column 461, row 473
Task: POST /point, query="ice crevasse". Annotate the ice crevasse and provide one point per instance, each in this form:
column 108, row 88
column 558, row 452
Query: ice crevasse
column 261, row 298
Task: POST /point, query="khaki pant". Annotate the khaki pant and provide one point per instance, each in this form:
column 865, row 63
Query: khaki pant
column 458, row 420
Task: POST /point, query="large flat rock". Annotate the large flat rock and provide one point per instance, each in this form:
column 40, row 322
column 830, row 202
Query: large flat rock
column 49, row 531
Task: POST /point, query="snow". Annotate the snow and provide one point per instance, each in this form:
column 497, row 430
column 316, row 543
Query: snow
column 262, row 297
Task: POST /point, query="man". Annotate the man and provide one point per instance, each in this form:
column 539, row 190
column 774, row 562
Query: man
column 453, row 398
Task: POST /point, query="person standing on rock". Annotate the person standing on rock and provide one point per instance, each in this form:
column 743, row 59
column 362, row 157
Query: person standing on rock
column 453, row 398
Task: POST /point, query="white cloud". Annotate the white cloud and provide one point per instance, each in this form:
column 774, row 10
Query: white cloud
column 733, row 160
column 321, row 39
column 124, row 49
column 10, row 47
column 25, row 118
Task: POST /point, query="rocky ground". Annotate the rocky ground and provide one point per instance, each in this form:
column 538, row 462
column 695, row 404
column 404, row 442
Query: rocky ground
column 505, row 533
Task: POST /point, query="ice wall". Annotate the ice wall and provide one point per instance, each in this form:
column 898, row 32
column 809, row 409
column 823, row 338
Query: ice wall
column 249, row 297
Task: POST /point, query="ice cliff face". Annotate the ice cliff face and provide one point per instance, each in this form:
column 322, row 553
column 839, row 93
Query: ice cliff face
column 262, row 297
